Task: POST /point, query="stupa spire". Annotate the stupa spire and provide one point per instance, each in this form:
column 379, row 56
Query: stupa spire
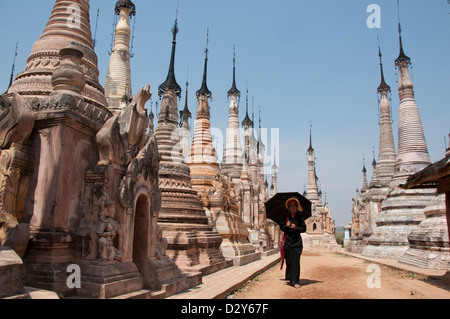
column 310, row 149
column 387, row 154
column 412, row 155
column 312, row 187
column 274, row 187
column 234, row 89
column 247, row 122
column 364, row 171
column 261, row 145
column 151, row 118
column 118, row 80
column 383, row 86
column 402, row 56
column 171, row 82
column 233, row 158
column 11, row 80
column 185, row 114
column 204, row 89
column 375, row 181
column 185, row 129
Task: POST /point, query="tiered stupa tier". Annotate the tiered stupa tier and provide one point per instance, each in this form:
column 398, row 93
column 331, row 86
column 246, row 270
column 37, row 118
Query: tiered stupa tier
column 69, row 22
column 429, row 242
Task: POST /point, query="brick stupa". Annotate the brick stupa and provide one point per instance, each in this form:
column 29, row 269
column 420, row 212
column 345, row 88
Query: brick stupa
column 193, row 243
column 69, row 22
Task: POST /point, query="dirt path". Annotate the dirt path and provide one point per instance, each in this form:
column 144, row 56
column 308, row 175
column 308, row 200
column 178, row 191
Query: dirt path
column 337, row 276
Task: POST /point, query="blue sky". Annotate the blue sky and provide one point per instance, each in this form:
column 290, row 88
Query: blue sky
column 305, row 61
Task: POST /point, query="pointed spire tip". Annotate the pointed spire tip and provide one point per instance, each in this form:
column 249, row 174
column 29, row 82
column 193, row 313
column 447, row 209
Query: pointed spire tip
column 204, row 89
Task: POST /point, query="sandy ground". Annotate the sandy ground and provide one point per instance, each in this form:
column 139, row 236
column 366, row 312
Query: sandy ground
column 337, row 276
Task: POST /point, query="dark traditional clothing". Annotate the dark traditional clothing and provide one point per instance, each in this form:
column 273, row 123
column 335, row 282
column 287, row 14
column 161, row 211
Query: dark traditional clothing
column 293, row 246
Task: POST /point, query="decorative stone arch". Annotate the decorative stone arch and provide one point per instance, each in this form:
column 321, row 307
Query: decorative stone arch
column 144, row 235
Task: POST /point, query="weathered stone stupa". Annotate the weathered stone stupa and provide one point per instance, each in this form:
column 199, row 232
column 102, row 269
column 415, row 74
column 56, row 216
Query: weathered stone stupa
column 69, row 22
column 274, row 186
column 192, row 242
column 430, row 241
column 185, row 130
column 386, row 155
column 233, row 155
column 245, row 188
column 367, row 205
column 320, row 226
column 203, row 161
column 118, row 80
column 403, row 210
column 216, row 193
column 312, row 189
column 265, row 227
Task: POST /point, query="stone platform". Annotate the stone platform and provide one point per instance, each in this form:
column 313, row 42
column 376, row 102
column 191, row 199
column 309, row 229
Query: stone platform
column 181, row 283
column 11, row 273
column 208, row 269
column 221, row 284
column 430, row 273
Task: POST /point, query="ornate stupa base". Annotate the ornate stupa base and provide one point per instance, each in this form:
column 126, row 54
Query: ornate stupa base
column 429, row 243
column 401, row 213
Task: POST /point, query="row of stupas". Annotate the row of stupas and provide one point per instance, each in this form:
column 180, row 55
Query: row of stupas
column 208, row 212
column 389, row 221
column 88, row 180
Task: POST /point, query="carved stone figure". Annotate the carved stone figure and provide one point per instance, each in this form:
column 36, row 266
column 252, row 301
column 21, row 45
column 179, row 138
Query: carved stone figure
column 134, row 122
column 16, row 125
column 108, row 230
column 124, row 134
column 217, row 188
column 145, row 164
column 96, row 198
column 110, row 145
column 161, row 244
column 16, row 121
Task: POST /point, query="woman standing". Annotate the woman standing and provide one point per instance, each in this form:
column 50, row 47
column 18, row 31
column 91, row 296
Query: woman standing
column 292, row 226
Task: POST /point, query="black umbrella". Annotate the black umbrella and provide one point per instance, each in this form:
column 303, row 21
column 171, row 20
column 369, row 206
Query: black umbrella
column 276, row 206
